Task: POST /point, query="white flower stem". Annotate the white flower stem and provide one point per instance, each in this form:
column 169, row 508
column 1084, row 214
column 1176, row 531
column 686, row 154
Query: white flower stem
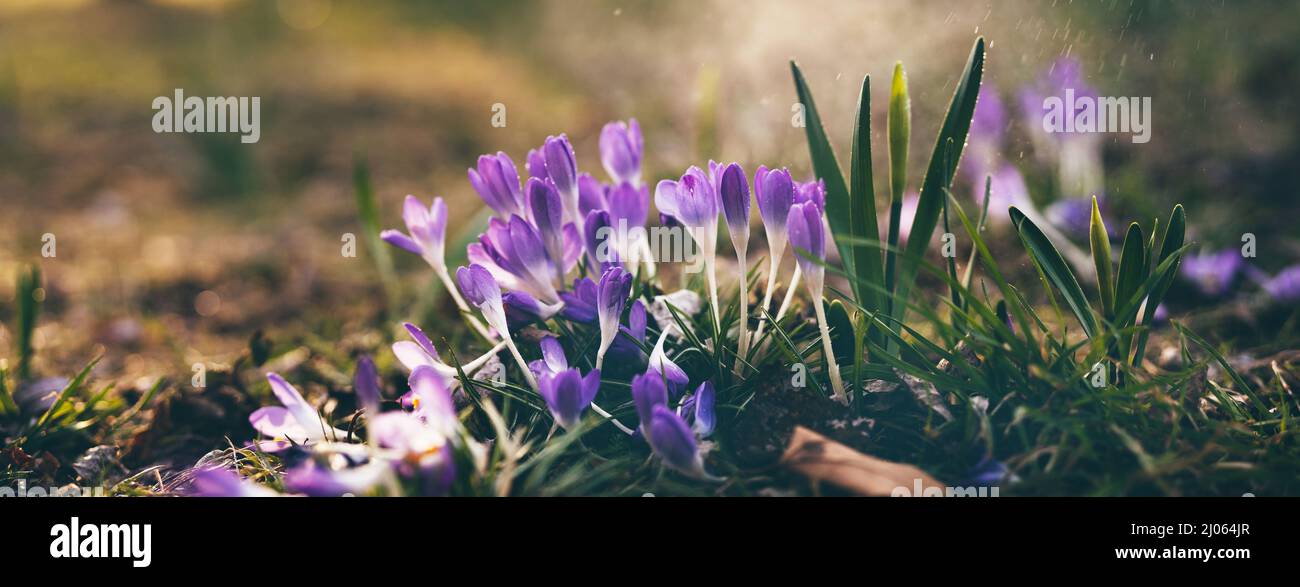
column 773, row 265
column 837, row 384
column 711, row 273
column 789, row 293
column 612, row 419
column 523, row 365
column 743, row 344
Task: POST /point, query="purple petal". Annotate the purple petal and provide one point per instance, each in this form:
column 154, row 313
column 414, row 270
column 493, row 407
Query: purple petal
column 774, row 191
column 477, row 284
column 621, row 149
column 591, row 194
column 401, row 241
column 806, row 235
column 580, row 304
column 601, row 252
column 553, row 354
column 293, row 401
column 734, row 193
column 628, row 203
column 561, row 165
column 366, row 385
column 673, row 441
column 648, row 391
column 705, row 416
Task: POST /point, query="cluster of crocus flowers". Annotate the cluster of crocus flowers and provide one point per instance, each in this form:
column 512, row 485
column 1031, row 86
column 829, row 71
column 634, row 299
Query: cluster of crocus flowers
column 557, row 220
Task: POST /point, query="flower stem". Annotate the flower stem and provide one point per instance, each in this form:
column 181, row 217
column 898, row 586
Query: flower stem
column 742, row 349
column 773, row 265
column 837, row 384
column 612, row 419
column 523, row 365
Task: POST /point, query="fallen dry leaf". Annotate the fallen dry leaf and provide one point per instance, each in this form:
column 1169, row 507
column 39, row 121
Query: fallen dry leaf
column 824, row 460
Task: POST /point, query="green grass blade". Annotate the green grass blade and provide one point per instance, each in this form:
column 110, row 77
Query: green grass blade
column 29, row 308
column 368, row 213
column 1050, row 262
column 939, row 174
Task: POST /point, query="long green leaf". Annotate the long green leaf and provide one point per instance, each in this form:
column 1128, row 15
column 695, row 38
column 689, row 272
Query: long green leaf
column 1171, row 244
column 862, row 219
column 29, row 306
column 826, row 168
column 1049, row 260
column 1132, row 266
column 939, row 174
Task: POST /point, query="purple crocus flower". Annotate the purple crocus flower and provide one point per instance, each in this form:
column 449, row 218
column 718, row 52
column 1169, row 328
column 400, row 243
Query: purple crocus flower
column 611, row 296
column 602, row 253
column 580, row 303
column 1213, row 273
column 482, row 290
column 774, row 191
column 591, row 194
column 1285, row 286
column 427, row 238
column 693, row 201
column 548, row 216
column 699, row 409
column 568, row 394
column 420, row 351
column 624, row 351
column 621, row 150
column 733, row 191
column 536, row 164
column 221, row 482
column 664, row 367
column 365, row 383
column 672, row 440
column 808, row 238
column 514, row 254
column 562, row 169
column 427, row 227
column 553, row 359
column 648, row 391
column 811, row 191
column 497, row 181
column 628, row 202
column 294, row 422
column 318, row 481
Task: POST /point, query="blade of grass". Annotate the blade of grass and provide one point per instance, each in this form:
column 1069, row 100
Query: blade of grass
column 1053, row 266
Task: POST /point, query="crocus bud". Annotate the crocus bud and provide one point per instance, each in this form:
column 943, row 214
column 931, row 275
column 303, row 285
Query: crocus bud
column 612, row 293
column 733, row 191
column 548, row 215
column 621, row 151
column 562, row 169
column 568, row 394
column 497, row 181
column 365, row 383
column 648, row 391
column 774, row 191
column 808, row 238
column 672, row 440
